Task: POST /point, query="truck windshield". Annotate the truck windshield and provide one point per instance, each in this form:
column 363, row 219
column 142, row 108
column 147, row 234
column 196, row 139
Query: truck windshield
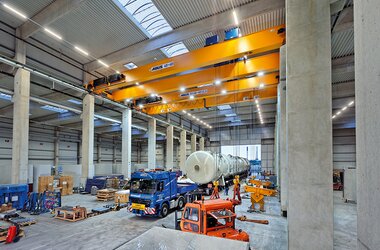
column 143, row 186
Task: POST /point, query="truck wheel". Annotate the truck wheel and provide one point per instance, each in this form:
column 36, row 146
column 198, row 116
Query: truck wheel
column 164, row 210
column 181, row 202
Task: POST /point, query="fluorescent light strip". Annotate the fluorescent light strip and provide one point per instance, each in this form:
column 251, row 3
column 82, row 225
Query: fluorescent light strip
column 343, row 109
column 196, row 118
column 81, row 50
column 15, row 11
column 103, row 63
column 53, row 33
column 235, row 18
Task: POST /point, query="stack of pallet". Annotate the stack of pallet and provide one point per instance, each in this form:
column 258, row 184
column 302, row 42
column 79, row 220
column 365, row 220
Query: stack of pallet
column 122, row 196
column 105, row 194
column 45, row 183
column 66, row 183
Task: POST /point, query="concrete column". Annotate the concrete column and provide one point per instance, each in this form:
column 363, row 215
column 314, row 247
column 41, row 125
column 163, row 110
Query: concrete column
column 367, row 91
column 193, row 143
column 114, row 150
column 152, row 144
column 126, row 143
column 201, row 144
column 182, row 150
column 169, row 147
column 99, row 149
column 20, row 141
column 56, row 150
column 281, row 102
column 308, row 100
column 88, row 138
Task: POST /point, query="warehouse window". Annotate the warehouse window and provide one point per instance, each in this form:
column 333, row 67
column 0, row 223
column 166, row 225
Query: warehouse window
column 152, row 22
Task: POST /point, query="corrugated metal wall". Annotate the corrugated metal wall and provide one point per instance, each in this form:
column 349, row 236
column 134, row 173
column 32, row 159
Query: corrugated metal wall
column 344, row 148
column 41, row 149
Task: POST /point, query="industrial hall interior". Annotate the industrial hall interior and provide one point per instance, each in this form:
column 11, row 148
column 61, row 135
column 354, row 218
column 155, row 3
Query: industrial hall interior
column 190, row 124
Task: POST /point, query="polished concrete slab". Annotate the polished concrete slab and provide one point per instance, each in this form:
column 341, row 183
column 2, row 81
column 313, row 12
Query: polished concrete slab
column 114, row 230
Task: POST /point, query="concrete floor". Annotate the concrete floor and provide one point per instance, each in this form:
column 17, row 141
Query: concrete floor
column 114, row 229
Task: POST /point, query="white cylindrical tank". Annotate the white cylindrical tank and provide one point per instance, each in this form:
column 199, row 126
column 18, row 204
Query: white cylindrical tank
column 203, row 167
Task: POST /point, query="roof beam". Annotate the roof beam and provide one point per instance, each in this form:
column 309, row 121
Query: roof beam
column 48, row 15
column 216, row 22
column 345, row 20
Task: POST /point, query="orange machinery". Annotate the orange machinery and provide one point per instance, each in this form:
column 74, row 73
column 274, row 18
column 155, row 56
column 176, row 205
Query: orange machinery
column 213, row 218
column 258, row 194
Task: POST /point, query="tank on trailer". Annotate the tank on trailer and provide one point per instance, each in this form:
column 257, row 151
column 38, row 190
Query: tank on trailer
column 204, row 167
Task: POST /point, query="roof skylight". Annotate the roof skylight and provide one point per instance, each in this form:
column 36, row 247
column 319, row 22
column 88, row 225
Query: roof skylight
column 153, row 23
column 175, row 49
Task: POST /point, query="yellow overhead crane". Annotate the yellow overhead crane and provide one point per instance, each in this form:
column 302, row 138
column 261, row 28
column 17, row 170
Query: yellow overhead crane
column 165, row 77
column 266, row 93
column 203, row 79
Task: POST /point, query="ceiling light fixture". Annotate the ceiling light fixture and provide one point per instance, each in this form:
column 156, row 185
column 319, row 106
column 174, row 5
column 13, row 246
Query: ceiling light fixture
column 261, row 86
column 191, row 97
column 103, row 63
column 137, row 83
column 15, row 11
column 82, row 51
column 53, row 33
column 217, row 82
column 182, row 89
column 224, row 91
column 235, row 18
column 260, row 73
column 141, row 106
column 350, row 104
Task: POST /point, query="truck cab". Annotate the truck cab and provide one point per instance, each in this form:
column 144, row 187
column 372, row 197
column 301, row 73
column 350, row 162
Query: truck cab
column 154, row 193
column 212, row 217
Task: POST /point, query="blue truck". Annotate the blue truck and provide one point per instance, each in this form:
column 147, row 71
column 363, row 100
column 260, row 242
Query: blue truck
column 154, row 193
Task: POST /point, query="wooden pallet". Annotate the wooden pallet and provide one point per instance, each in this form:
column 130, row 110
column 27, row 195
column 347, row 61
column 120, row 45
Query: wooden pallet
column 105, row 194
column 71, row 214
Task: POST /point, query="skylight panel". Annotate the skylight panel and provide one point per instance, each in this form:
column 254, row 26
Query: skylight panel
column 230, row 115
column 175, row 49
column 130, row 65
column 147, row 15
column 55, row 109
column 152, row 22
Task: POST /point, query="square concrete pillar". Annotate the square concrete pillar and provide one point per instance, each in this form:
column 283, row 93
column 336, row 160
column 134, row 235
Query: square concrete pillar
column 193, row 143
column 309, row 135
column 201, row 144
column 126, row 143
column 367, row 104
column 281, row 102
column 88, row 138
column 169, row 147
column 20, row 139
column 182, row 150
column 152, row 143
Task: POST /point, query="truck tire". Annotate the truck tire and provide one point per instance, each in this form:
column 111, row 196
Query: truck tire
column 164, row 210
column 181, row 202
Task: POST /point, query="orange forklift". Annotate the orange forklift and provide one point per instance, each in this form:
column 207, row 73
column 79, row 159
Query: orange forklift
column 214, row 217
